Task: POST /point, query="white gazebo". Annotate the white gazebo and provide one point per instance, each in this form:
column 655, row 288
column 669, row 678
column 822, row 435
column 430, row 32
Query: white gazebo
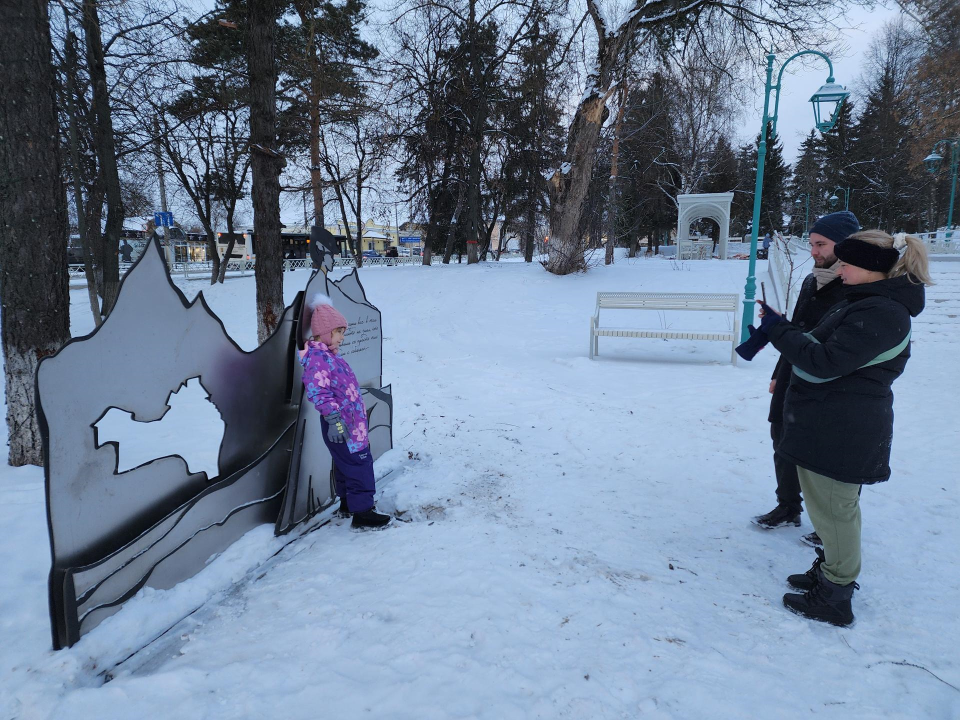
column 714, row 206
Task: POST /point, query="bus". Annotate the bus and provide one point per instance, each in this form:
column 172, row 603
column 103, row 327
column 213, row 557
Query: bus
column 296, row 245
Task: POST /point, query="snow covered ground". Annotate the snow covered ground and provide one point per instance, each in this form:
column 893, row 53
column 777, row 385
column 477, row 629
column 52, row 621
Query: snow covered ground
column 576, row 540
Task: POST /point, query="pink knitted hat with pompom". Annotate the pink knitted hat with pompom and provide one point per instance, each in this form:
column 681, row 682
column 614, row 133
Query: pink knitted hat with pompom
column 324, row 319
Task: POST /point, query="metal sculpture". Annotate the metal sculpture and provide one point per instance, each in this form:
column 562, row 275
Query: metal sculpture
column 114, row 531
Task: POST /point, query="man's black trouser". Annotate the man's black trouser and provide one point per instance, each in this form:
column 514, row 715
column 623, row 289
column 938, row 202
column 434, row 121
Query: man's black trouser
column 788, row 484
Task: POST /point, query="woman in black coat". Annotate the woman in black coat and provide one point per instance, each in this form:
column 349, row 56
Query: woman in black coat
column 838, row 410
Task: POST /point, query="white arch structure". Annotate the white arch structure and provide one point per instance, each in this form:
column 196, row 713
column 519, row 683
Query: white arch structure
column 714, row 206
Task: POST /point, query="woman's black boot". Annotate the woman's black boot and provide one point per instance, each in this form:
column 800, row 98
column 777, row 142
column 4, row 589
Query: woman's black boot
column 826, row 602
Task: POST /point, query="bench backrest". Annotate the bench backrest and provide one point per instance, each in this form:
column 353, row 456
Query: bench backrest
column 725, row 302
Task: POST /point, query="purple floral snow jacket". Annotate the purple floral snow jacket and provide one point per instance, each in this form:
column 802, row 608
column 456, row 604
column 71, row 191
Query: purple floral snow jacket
column 332, row 387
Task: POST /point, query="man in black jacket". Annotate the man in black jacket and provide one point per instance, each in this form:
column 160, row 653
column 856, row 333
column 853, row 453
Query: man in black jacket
column 821, row 290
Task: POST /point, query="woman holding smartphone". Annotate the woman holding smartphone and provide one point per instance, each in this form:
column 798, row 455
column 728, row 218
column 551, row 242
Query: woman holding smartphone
column 838, row 410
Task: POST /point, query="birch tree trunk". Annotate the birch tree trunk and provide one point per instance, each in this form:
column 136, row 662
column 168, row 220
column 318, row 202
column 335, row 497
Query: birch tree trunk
column 34, row 299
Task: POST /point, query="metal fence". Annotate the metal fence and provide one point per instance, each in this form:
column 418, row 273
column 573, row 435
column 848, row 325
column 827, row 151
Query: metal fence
column 241, row 268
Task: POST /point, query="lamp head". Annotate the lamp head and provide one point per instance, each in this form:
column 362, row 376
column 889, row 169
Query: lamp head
column 833, row 200
column 932, row 162
column 826, row 104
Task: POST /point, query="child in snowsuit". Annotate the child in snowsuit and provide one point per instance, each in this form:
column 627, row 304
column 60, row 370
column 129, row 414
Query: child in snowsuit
column 333, row 388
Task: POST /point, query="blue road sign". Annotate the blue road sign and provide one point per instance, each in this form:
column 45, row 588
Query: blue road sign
column 163, row 219
column 409, row 240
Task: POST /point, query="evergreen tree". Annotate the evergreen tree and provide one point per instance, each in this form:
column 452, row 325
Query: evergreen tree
column 838, row 156
column 534, row 135
column 649, row 169
column 776, row 176
column 888, row 190
column 741, row 210
column 724, row 176
column 808, row 180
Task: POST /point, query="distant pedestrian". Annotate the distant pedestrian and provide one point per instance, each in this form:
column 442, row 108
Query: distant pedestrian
column 333, row 388
column 838, row 409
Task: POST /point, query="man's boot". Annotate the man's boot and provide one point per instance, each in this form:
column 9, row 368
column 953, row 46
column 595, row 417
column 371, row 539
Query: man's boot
column 780, row 516
column 826, row 602
column 806, row 581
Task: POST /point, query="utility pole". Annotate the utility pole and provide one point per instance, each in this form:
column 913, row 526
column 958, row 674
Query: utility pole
column 158, row 155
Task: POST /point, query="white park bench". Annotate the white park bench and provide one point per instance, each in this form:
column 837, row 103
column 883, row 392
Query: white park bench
column 712, row 302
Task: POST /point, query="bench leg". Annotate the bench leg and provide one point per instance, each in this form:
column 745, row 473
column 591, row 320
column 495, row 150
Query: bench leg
column 733, row 352
column 592, row 338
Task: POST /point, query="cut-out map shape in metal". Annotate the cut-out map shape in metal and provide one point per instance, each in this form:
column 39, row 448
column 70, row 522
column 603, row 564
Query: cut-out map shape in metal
column 116, row 528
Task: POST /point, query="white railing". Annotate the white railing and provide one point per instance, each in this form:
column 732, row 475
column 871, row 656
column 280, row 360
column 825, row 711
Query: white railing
column 938, row 243
column 787, row 265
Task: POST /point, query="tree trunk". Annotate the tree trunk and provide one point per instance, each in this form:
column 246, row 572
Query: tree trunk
column 94, row 214
column 218, row 267
column 473, row 189
column 531, row 229
column 70, row 70
column 34, row 293
column 612, row 194
column 106, row 155
column 316, row 176
column 569, row 185
column 634, row 244
column 222, row 264
column 266, row 163
column 452, row 229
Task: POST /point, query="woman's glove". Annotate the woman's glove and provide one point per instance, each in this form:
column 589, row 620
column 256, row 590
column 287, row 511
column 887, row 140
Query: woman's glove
column 757, row 341
column 336, row 430
column 769, row 318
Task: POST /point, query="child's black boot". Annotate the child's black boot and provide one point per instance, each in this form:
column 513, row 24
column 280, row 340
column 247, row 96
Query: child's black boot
column 370, row 520
column 343, row 511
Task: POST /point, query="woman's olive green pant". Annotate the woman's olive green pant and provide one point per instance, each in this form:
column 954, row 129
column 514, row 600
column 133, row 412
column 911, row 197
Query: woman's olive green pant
column 834, row 510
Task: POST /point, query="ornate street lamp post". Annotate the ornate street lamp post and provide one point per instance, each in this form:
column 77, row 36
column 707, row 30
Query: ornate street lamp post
column 806, row 219
column 933, row 161
column 834, row 199
column 826, row 104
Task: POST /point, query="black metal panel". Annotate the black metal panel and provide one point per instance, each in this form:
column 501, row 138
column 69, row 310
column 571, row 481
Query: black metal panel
column 112, row 533
column 152, row 342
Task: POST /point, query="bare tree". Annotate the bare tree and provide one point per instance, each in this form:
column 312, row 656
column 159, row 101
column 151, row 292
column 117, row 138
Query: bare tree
column 352, row 152
column 618, row 37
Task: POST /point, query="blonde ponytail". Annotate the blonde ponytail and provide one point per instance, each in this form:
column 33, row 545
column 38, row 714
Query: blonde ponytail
column 913, row 260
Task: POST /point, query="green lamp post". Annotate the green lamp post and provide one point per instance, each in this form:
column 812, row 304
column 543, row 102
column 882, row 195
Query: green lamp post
column 932, row 163
column 826, row 104
column 806, row 219
column 834, row 199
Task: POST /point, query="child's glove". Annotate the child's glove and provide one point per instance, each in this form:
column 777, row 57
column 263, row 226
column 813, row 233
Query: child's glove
column 755, row 343
column 336, row 430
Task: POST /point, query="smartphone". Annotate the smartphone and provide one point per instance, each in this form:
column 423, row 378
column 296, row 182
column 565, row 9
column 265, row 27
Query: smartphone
column 763, row 293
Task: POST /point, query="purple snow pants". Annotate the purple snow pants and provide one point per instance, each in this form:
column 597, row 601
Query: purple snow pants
column 353, row 474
